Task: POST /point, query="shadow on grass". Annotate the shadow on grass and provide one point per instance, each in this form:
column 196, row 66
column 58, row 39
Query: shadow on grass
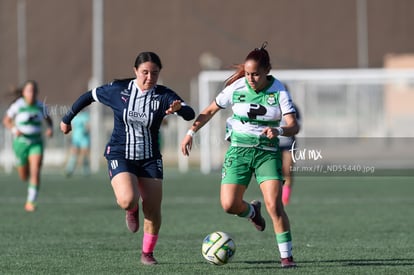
column 377, row 262
column 341, row 262
column 230, row 265
column 365, row 262
column 260, row 262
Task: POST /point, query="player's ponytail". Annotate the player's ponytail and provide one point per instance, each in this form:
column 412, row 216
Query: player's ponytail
column 238, row 74
column 260, row 55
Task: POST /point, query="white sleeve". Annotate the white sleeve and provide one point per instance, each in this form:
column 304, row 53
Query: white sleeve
column 285, row 102
column 12, row 111
column 225, row 98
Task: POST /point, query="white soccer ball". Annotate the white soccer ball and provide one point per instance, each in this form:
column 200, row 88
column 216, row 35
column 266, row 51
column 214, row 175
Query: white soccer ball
column 218, row 248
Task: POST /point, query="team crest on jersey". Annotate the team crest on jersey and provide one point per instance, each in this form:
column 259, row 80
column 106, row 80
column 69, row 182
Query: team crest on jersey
column 271, row 99
column 125, row 92
column 155, row 104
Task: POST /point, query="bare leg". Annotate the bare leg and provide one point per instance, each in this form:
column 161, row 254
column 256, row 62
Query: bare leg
column 72, row 161
column 23, row 172
column 231, row 197
column 272, row 194
column 84, row 153
column 286, row 168
column 35, row 164
column 125, row 186
column 287, row 174
column 151, row 193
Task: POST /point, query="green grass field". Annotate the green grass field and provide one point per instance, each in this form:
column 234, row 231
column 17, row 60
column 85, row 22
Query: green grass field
column 340, row 225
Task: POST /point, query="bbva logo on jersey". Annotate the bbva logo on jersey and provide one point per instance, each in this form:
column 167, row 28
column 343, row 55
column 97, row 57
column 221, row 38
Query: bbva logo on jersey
column 137, row 114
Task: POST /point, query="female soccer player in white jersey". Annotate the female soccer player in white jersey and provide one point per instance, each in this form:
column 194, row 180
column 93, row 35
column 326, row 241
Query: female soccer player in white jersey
column 133, row 151
column 24, row 118
column 286, row 145
column 258, row 101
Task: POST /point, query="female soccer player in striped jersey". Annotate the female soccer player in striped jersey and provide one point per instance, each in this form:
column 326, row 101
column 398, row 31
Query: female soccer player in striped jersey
column 133, row 152
column 258, row 102
column 24, row 118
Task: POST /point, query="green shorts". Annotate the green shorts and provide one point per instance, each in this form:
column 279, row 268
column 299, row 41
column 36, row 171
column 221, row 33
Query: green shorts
column 24, row 148
column 240, row 163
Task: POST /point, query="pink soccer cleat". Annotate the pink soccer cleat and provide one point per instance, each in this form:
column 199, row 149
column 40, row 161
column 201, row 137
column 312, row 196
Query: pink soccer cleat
column 287, row 262
column 132, row 220
column 148, row 259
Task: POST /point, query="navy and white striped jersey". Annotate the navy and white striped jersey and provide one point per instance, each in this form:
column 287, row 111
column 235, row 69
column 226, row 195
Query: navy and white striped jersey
column 137, row 118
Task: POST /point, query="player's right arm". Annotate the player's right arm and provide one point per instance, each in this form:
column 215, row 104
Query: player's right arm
column 83, row 101
column 199, row 122
column 8, row 123
column 8, row 120
column 223, row 100
column 103, row 94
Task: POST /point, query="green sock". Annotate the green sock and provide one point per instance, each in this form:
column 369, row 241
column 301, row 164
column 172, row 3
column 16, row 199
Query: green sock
column 284, row 242
column 248, row 213
column 283, row 237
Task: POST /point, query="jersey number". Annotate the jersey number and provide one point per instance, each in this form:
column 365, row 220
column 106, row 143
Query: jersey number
column 256, row 110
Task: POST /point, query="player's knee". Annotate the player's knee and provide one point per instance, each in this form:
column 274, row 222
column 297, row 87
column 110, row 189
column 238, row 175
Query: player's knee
column 229, row 207
column 127, row 202
column 24, row 177
column 124, row 204
column 275, row 208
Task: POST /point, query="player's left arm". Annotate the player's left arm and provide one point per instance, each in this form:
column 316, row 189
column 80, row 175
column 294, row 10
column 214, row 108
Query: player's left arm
column 292, row 126
column 290, row 129
column 289, row 115
column 49, row 130
column 48, row 119
column 178, row 106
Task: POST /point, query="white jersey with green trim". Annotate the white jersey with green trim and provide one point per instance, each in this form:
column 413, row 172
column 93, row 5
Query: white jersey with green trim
column 253, row 111
column 27, row 118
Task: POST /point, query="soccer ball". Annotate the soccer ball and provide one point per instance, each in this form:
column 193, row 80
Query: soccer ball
column 218, row 248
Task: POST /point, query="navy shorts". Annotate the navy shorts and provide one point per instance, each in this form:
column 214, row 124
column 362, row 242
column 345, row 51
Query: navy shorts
column 285, row 148
column 150, row 168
